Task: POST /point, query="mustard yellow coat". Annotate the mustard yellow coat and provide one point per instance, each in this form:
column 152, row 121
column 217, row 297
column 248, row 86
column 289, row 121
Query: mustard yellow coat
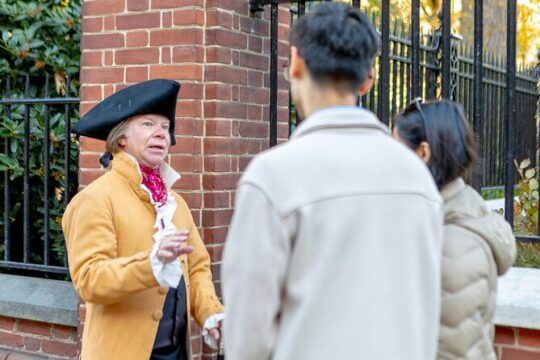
column 108, row 228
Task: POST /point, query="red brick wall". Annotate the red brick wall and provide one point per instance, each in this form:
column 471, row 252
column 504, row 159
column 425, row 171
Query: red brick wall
column 220, row 54
column 19, row 337
column 517, row 344
column 40, row 340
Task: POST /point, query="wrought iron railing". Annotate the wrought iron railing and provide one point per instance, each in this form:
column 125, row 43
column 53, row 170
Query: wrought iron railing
column 39, row 160
column 499, row 98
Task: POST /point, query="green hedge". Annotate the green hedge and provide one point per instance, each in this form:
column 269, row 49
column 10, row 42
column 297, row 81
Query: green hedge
column 38, row 40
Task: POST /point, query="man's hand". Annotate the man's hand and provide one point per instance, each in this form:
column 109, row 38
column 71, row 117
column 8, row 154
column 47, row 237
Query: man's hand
column 214, row 332
column 172, row 246
column 212, row 335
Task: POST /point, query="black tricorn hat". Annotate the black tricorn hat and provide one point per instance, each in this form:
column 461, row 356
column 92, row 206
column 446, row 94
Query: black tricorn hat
column 148, row 97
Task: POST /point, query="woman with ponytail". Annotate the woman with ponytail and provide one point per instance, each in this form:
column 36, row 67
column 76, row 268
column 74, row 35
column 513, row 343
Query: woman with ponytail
column 478, row 244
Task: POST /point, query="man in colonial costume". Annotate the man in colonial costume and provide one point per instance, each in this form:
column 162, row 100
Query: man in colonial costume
column 134, row 252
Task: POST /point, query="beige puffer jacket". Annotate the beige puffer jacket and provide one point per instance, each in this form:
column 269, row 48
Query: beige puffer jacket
column 478, row 246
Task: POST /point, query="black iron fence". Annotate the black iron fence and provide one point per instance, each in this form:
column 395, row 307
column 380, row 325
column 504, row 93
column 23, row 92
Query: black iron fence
column 39, row 163
column 499, row 98
column 491, row 129
column 39, row 157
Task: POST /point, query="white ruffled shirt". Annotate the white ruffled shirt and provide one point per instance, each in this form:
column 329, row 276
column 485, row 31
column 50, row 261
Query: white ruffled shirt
column 170, row 274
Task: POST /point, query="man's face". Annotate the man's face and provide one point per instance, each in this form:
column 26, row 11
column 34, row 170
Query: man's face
column 147, row 139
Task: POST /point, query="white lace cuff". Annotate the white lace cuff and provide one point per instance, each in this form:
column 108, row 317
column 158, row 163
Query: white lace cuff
column 167, row 275
column 211, row 322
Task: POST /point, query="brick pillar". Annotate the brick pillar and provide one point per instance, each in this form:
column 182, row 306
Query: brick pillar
column 220, row 54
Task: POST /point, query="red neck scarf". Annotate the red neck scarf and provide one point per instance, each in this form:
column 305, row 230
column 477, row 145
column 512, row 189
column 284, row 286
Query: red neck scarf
column 152, row 180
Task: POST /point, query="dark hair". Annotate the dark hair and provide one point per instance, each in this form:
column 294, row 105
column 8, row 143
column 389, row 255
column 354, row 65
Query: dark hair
column 442, row 124
column 338, row 44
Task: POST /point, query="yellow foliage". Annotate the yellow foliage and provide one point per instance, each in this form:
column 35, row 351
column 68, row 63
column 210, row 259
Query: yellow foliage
column 528, row 22
column 528, row 27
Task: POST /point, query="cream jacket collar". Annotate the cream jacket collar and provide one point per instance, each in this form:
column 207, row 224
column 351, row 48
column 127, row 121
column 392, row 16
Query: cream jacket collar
column 340, row 117
column 452, row 189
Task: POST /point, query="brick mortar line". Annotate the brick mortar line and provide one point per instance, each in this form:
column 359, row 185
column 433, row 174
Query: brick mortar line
column 519, row 347
column 49, row 338
column 203, row 112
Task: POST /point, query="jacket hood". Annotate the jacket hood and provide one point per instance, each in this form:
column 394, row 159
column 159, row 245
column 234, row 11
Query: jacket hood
column 466, row 208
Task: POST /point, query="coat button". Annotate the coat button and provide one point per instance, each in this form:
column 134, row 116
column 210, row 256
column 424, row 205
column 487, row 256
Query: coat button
column 163, row 290
column 157, row 315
